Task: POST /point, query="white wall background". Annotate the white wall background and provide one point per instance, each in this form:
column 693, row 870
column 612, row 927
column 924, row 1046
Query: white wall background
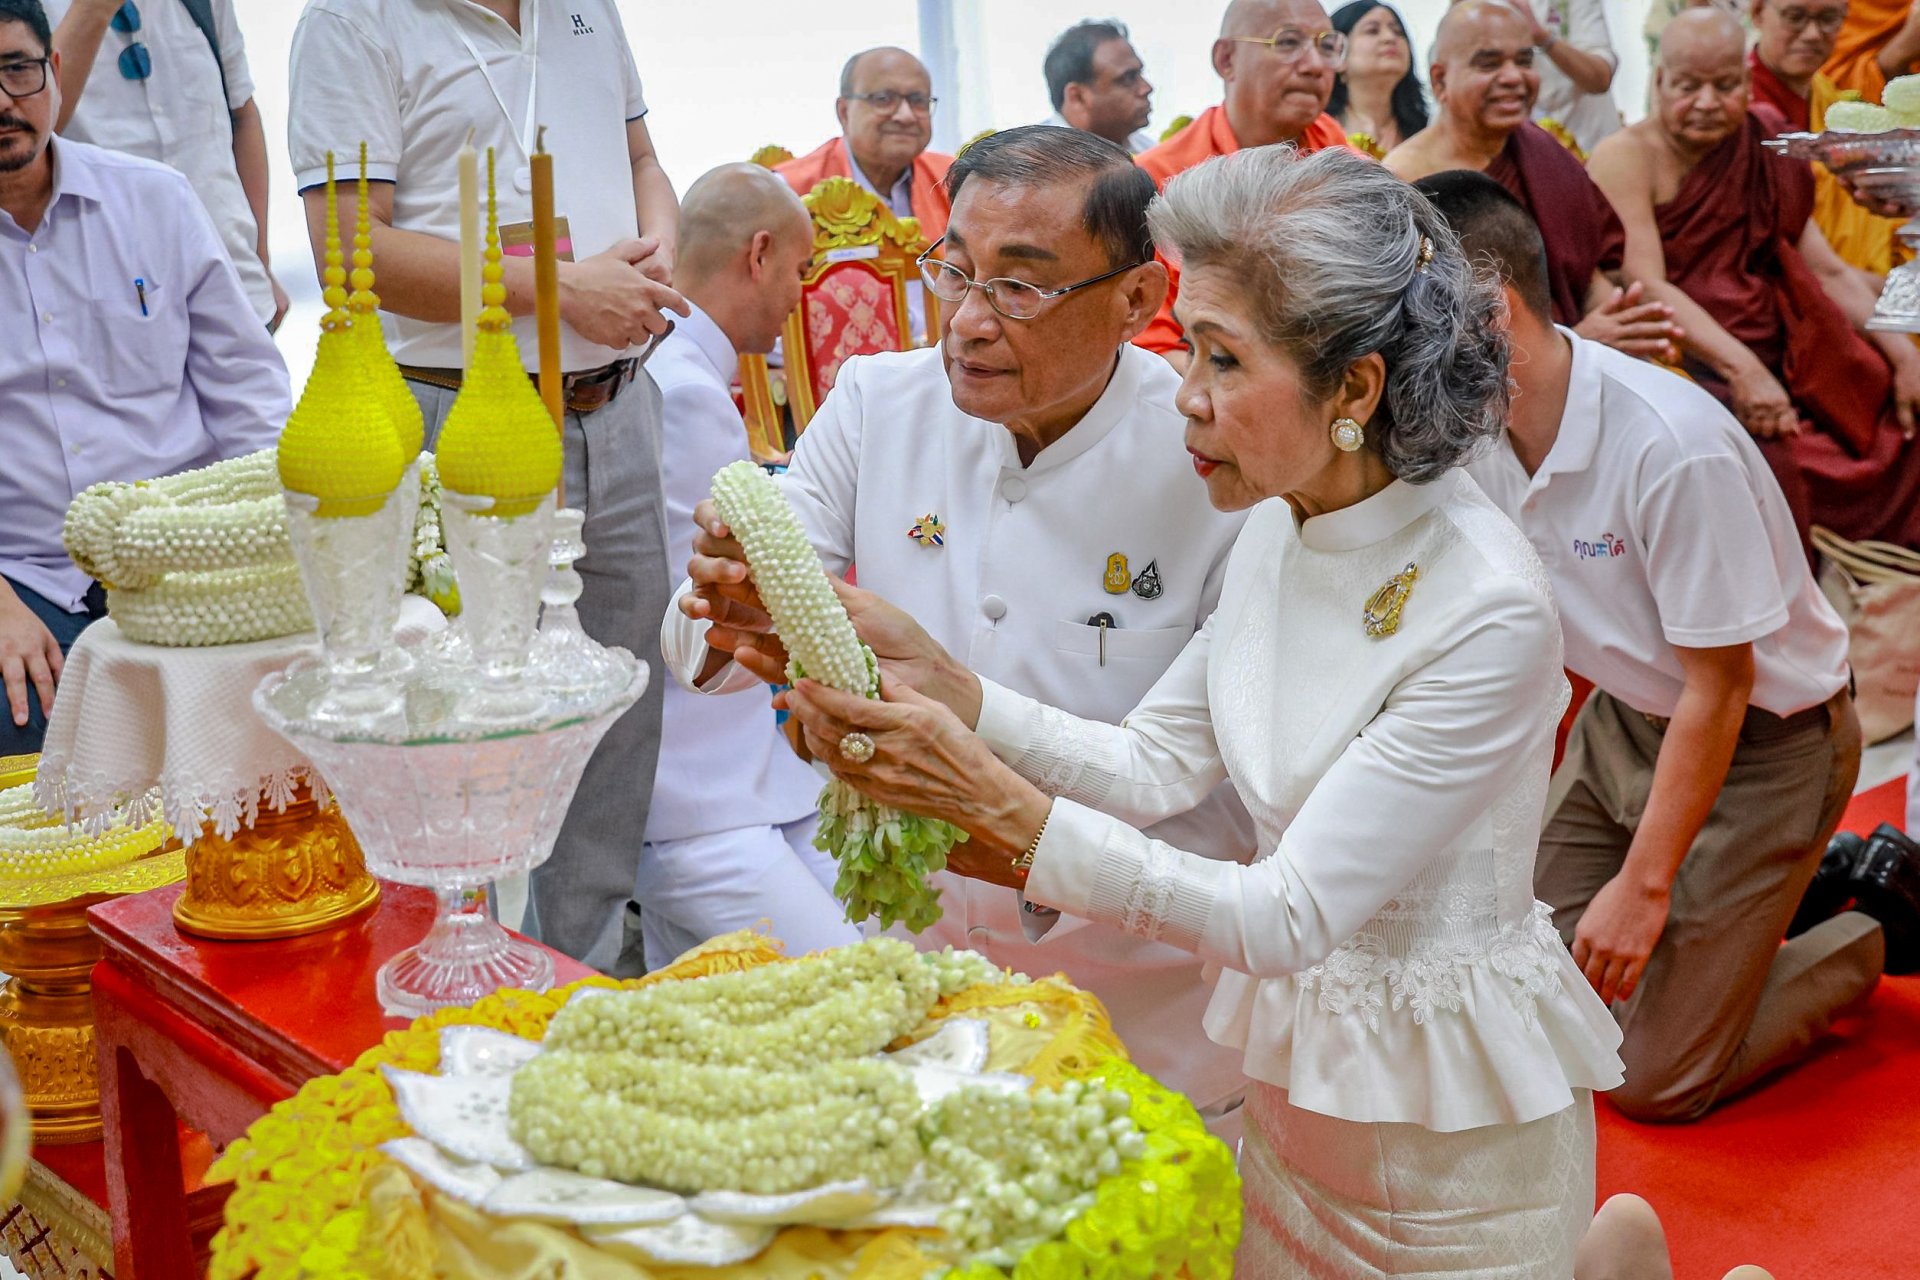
column 725, row 76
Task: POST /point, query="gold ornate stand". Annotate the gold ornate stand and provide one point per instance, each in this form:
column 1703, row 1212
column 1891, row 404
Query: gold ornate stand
column 46, row 1006
column 291, row 873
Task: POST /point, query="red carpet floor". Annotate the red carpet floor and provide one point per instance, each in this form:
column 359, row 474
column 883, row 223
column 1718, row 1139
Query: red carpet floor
column 1815, row 1176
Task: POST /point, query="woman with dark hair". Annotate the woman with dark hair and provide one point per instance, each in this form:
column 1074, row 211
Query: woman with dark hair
column 1378, row 99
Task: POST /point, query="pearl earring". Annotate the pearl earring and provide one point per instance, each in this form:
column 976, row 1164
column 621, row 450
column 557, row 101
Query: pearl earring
column 1347, row 435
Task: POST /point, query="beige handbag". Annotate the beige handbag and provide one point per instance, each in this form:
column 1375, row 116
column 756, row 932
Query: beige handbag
column 1875, row 586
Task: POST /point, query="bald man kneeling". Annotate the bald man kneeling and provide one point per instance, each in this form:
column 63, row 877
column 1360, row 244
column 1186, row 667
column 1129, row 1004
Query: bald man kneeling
column 729, row 837
column 1484, row 84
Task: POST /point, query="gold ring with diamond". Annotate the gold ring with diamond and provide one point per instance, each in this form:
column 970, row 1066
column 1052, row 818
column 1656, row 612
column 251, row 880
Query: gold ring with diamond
column 857, row 747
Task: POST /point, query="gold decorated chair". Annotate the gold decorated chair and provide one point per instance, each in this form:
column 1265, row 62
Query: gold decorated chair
column 853, row 302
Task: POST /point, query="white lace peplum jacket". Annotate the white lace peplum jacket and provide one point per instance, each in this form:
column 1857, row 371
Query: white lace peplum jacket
column 1384, row 959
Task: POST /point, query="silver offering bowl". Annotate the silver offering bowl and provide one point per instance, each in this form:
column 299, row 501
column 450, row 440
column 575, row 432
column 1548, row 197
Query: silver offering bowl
column 1885, row 169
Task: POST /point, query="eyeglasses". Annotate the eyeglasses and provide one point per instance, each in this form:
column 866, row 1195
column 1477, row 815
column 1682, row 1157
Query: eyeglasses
column 1014, row 299
column 1290, row 44
column 886, row 101
column 135, row 62
column 23, row 79
column 1828, row 20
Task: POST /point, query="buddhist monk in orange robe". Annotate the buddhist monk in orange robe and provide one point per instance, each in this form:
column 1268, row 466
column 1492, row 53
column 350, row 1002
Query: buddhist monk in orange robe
column 1880, row 40
column 1484, row 84
column 1277, row 81
column 1792, row 39
column 883, row 140
column 1721, row 229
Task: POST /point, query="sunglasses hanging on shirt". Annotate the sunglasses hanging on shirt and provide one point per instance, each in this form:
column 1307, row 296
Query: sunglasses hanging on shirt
column 135, row 62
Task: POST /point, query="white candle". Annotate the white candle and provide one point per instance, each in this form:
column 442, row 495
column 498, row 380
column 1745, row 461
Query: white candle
column 469, row 249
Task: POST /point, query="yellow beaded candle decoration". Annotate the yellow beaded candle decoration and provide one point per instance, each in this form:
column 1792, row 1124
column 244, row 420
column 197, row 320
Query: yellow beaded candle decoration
column 340, row 445
column 498, row 440
column 377, row 364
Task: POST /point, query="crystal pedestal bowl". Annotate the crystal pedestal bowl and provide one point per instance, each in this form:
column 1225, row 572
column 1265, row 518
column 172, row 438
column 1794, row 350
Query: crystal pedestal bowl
column 1886, row 165
column 452, row 806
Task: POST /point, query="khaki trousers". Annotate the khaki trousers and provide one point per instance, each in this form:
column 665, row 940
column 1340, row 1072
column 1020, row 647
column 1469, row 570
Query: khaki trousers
column 1722, row 1003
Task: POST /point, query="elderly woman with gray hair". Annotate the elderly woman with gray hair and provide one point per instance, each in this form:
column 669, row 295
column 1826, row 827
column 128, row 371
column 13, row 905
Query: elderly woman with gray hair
column 1381, row 683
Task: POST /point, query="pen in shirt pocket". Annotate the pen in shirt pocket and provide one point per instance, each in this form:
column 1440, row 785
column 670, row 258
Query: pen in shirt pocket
column 140, row 292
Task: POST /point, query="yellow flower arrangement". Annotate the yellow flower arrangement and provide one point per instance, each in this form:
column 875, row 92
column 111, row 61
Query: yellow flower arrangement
column 313, row 1196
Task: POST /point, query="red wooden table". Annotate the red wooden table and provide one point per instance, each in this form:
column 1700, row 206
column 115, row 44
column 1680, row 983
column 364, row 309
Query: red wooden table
column 211, row 1034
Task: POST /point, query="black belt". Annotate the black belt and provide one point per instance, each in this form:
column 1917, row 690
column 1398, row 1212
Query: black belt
column 1761, row 723
column 583, row 392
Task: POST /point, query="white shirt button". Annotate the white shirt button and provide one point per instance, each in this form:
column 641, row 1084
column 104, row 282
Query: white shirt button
column 977, row 934
column 59, row 382
column 76, row 450
column 33, row 248
column 1013, row 488
column 994, row 607
column 46, row 317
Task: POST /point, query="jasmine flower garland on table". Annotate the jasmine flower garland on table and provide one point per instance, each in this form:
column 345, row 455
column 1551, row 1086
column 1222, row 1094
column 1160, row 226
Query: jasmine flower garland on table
column 885, row 855
column 300, row 1207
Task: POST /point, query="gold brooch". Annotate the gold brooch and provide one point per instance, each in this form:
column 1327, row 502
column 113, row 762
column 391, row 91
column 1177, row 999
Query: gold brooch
column 1381, row 617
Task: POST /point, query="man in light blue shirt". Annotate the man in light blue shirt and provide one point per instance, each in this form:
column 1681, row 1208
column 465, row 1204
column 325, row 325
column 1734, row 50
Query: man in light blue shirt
column 132, row 352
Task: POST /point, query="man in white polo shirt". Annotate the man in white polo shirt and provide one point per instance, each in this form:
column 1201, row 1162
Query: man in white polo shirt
column 1719, row 747
column 729, row 836
column 415, row 80
column 1023, row 491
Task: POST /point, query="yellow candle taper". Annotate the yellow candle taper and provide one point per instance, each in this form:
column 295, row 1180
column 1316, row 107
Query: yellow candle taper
column 469, row 248
column 546, row 291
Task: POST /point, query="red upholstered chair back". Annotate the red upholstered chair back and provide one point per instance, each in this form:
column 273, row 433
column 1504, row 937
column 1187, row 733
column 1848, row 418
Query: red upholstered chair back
column 854, row 301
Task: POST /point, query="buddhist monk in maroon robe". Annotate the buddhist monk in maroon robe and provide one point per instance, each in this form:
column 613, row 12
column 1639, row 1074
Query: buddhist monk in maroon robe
column 1720, row 228
column 1484, row 83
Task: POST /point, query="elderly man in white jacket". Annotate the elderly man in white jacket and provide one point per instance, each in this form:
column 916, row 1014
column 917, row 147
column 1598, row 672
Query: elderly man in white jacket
column 1024, row 492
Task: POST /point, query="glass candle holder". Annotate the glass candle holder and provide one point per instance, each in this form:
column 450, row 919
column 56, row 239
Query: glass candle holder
column 354, row 569
column 566, row 661
column 497, row 561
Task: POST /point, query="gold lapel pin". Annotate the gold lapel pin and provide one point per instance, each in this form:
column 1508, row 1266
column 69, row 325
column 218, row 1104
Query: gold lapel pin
column 1381, row 616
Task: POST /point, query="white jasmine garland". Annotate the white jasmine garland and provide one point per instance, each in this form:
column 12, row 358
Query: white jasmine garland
column 34, row 844
column 1016, row 1168
column 222, row 606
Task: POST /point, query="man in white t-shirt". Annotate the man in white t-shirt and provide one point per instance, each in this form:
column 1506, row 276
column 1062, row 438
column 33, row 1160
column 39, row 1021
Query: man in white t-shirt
column 1023, row 491
column 417, row 80
column 1713, row 760
column 729, row 838
column 144, row 78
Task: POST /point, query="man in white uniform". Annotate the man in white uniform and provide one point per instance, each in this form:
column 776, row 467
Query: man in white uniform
column 417, row 81
column 145, row 79
column 1719, row 748
column 131, row 352
column 1023, row 491
column 730, row 833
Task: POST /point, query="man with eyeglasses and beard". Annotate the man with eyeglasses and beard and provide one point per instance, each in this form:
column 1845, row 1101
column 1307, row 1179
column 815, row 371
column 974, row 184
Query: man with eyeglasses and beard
column 1023, row 491
column 1278, row 60
column 132, row 352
